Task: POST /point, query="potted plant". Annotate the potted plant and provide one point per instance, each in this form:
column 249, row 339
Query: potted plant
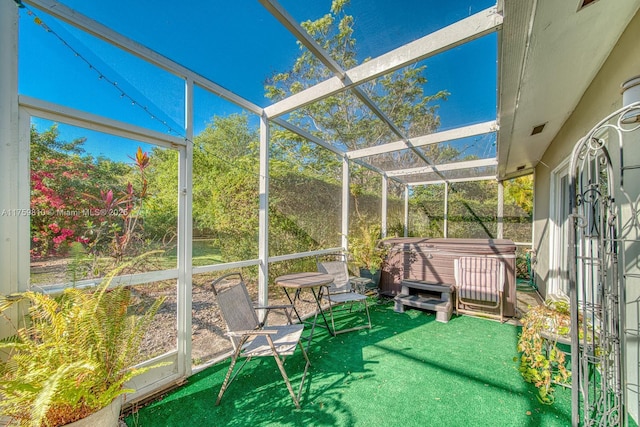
column 72, row 357
column 366, row 251
column 544, row 343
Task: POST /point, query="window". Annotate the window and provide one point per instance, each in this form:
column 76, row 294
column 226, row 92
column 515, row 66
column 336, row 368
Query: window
column 560, row 227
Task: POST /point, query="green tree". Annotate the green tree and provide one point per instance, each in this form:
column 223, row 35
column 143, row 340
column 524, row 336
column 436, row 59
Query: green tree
column 342, row 119
column 519, row 192
column 225, row 187
column 65, row 181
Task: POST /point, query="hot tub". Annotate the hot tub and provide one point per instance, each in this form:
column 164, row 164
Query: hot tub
column 432, row 260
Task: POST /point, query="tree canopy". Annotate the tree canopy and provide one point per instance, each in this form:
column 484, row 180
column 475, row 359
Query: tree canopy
column 343, row 119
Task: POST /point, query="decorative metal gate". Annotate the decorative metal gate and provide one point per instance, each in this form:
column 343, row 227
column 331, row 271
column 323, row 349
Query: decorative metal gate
column 604, row 267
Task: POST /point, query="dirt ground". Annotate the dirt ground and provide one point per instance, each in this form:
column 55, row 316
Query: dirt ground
column 207, row 325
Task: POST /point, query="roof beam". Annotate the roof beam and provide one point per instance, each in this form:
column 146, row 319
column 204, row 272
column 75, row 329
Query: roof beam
column 303, row 36
column 432, row 138
column 70, row 16
column 453, row 180
column 468, row 29
column 446, row 167
column 60, row 113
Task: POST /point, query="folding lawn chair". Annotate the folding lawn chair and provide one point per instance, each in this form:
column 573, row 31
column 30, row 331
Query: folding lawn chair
column 341, row 293
column 251, row 338
column 479, row 284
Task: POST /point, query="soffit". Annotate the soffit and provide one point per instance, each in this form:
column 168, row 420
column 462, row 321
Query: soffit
column 549, row 54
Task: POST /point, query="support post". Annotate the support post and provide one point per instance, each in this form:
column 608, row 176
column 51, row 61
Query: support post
column 14, row 168
column 385, row 186
column 185, row 238
column 406, row 211
column 500, row 210
column 446, row 210
column 263, row 217
column 346, row 198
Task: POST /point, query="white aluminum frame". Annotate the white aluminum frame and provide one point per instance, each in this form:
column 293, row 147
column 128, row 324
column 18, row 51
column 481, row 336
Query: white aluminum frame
column 432, row 138
column 180, row 357
column 14, row 161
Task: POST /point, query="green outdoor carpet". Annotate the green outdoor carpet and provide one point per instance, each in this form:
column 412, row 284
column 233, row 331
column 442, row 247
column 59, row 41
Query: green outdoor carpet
column 408, row 370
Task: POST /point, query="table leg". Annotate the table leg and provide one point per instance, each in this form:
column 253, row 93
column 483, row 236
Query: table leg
column 318, row 298
column 293, row 302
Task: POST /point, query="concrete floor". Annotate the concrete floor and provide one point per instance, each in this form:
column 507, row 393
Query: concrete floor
column 526, row 297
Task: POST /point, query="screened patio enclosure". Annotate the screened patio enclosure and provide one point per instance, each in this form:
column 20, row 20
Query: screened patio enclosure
column 101, row 62
column 125, row 89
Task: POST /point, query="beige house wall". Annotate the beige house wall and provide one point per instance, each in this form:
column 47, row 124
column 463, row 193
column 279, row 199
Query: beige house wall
column 601, row 99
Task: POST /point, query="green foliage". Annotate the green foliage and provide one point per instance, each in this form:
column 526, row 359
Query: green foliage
column 161, row 210
column 74, row 354
column 304, row 208
column 472, row 210
column 304, row 212
column 79, row 262
column 427, row 211
column 365, row 248
column 342, row 119
column 120, row 210
column 542, row 363
column 519, row 191
column 79, row 199
column 225, row 188
column 225, row 185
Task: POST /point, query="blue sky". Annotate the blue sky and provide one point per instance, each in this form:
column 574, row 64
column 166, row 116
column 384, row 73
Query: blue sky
column 237, row 45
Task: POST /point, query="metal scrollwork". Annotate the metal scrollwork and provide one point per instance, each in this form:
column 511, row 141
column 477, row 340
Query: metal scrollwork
column 596, row 144
column 606, row 234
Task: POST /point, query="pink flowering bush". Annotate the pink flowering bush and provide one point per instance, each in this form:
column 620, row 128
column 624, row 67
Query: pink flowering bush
column 76, row 198
column 56, row 202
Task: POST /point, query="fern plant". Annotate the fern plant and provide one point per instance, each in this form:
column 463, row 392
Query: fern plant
column 73, row 355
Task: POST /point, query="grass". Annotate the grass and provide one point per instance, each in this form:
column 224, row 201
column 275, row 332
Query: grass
column 203, row 252
column 59, row 268
column 407, row 370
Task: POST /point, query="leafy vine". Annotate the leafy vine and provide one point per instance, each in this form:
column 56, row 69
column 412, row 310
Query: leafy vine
column 542, row 362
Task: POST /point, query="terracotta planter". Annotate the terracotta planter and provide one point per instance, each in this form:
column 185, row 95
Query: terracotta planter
column 106, row 417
